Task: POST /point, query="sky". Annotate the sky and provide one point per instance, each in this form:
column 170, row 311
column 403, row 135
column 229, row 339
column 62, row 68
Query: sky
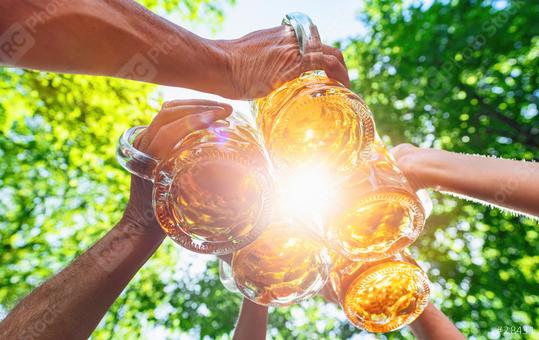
column 333, row 22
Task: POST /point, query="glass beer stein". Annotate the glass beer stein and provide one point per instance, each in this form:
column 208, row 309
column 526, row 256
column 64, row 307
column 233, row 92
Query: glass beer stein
column 313, row 119
column 212, row 193
column 380, row 214
column 287, row 263
column 381, row 296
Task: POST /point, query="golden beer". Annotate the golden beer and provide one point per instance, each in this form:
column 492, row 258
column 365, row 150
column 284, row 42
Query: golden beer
column 380, row 214
column 381, row 296
column 212, row 194
column 314, row 120
column 287, row 263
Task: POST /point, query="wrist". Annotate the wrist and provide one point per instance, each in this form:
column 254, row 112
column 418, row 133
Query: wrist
column 221, row 61
column 253, row 308
column 181, row 58
column 143, row 226
column 207, row 69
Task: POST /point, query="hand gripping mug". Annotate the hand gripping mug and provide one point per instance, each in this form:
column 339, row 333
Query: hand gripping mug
column 380, row 296
column 211, row 195
column 313, row 119
column 286, row 264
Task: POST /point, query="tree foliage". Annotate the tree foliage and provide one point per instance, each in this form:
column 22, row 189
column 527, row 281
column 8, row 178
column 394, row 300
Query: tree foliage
column 62, row 189
column 458, row 75
column 462, row 76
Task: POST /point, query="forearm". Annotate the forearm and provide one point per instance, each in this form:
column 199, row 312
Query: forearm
column 73, row 302
column 433, row 324
column 115, row 38
column 505, row 183
column 252, row 323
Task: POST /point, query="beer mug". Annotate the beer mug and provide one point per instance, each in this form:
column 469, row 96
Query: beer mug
column 211, row 195
column 381, row 296
column 313, row 119
column 286, row 264
column 380, row 214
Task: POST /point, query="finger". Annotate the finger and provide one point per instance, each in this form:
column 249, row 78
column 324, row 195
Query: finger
column 169, row 135
column 401, row 150
column 329, row 50
column 138, row 141
column 177, row 109
column 335, row 70
column 170, row 114
column 203, row 102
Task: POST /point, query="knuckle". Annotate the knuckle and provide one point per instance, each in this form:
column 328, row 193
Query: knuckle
column 165, row 132
column 331, row 61
column 335, row 51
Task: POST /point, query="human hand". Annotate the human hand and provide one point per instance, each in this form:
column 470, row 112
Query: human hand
column 175, row 120
column 414, row 163
column 263, row 60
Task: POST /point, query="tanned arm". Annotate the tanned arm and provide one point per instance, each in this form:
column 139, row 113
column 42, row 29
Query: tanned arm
column 433, row 324
column 508, row 184
column 71, row 304
column 252, row 322
column 123, row 39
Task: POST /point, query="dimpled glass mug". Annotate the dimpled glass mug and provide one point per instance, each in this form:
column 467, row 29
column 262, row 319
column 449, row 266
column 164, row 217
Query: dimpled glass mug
column 313, row 119
column 380, row 214
column 212, row 194
column 289, row 262
column 380, row 296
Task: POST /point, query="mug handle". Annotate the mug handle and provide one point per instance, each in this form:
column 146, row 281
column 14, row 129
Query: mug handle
column 226, row 277
column 426, row 202
column 133, row 160
column 310, row 45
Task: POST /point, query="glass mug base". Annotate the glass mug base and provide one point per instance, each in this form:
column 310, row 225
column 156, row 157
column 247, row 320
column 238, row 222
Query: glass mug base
column 216, row 203
column 380, row 225
column 313, row 119
column 286, row 264
column 387, row 296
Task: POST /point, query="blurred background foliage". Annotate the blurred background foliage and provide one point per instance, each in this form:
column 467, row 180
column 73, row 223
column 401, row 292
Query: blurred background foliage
column 457, row 75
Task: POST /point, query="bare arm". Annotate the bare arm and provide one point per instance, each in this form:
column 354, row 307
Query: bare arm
column 505, row 183
column 253, row 318
column 252, row 323
column 123, row 39
column 71, row 304
column 118, row 38
column 433, row 324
